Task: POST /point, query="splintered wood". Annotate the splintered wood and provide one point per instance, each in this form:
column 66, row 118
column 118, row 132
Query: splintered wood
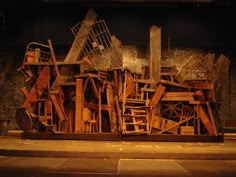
column 176, row 93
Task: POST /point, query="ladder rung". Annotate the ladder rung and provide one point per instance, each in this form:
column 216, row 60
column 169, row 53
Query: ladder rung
column 136, row 107
column 130, row 115
column 135, row 123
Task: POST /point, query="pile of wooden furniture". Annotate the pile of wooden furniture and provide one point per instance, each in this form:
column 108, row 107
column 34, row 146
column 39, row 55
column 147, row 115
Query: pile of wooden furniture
column 93, row 90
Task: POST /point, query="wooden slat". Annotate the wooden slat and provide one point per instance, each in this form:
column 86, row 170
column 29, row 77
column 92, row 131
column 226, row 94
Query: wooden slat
column 25, row 91
column 81, row 36
column 38, row 88
column 201, row 85
column 129, row 88
column 157, row 96
column 155, row 53
column 79, row 105
column 164, row 124
column 144, row 81
column 186, row 130
column 175, row 125
column 112, row 115
column 116, row 81
column 211, row 118
column 93, row 106
column 148, row 89
column 118, row 110
column 205, row 120
column 95, row 90
column 178, row 96
column 183, row 85
column 58, row 106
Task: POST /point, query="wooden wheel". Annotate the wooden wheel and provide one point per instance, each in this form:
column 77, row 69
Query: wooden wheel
column 171, row 109
column 23, row 119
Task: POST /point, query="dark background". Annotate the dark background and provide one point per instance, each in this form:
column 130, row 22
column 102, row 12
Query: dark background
column 194, row 24
column 199, row 24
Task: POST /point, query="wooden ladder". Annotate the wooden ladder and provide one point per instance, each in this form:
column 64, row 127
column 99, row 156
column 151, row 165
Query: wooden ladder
column 135, row 117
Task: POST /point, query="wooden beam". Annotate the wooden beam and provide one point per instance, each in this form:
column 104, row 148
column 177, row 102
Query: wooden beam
column 116, row 81
column 95, row 90
column 111, row 111
column 155, row 53
column 157, row 96
column 175, row 125
column 175, row 84
column 79, row 105
column 100, row 108
column 93, row 106
column 81, row 36
column 25, row 91
column 178, row 96
column 38, row 88
column 58, row 105
column 211, row 118
column 205, row 120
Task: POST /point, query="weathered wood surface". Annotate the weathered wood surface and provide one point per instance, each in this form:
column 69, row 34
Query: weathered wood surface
column 178, row 96
column 38, row 88
column 58, row 105
column 205, row 120
column 163, row 124
column 81, row 36
column 111, row 111
column 157, row 96
column 155, row 53
column 79, row 106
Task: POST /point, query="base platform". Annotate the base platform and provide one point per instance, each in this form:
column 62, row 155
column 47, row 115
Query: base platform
column 120, row 137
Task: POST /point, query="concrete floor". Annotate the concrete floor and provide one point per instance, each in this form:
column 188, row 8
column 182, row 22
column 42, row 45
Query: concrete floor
column 69, row 158
column 70, row 167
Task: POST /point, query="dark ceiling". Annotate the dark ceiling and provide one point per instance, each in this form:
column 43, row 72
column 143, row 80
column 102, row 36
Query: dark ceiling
column 191, row 23
column 127, row 3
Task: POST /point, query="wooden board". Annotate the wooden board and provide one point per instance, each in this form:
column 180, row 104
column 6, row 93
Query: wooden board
column 79, row 106
column 211, row 118
column 205, row 120
column 155, row 53
column 129, row 89
column 178, row 96
column 186, row 130
column 81, row 36
column 38, row 88
column 111, row 112
column 58, row 105
column 163, row 123
column 157, row 96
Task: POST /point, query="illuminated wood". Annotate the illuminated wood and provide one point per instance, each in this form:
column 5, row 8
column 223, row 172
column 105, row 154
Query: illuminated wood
column 157, row 96
column 163, row 124
column 81, row 36
column 178, row 96
column 79, row 106
column 58, row 105
column 205, row 120
column 25, row 91
column 111, row 112
column 211, row 118
column 155, row 53
column 38, row 88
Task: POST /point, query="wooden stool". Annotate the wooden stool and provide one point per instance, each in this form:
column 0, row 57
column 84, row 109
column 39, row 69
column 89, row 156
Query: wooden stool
column 90, row 126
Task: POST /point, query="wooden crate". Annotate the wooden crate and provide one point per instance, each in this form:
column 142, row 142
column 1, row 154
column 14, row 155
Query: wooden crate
column 187, row 130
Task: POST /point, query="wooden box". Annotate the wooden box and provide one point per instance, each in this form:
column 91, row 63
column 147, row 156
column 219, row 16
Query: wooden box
column 187, row 130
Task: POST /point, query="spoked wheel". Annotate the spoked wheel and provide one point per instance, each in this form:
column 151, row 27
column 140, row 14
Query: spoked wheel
column 171, row 109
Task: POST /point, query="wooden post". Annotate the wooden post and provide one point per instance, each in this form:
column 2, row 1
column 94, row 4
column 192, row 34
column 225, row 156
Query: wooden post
column 100, row 108
column 79, row 106
column 155, row 53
